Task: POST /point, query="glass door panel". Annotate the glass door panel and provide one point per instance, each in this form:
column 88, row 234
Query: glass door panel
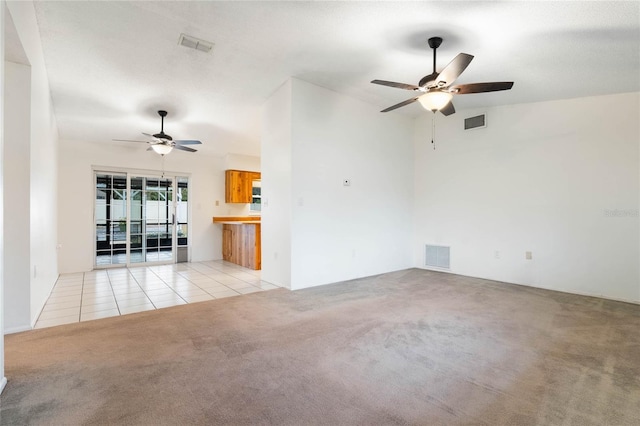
column 110, row 219
column 153, row 240
column 136, row 222
column 182, row 210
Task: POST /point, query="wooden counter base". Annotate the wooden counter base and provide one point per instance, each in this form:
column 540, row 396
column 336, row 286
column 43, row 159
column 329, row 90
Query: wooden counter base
column 241, row 244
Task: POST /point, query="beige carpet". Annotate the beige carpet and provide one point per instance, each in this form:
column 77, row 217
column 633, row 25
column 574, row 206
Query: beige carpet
column 410, row 347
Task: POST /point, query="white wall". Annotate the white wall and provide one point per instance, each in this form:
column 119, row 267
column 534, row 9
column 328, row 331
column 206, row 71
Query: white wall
column 276, row 187
column 337, row 232
column 43, row 164
column 16, row 230
column 559, row 179
column 239, row 162
column 76, row 190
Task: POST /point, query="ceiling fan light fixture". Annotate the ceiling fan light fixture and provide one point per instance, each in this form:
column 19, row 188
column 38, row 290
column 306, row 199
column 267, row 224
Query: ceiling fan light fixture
column 435, row 100
column 162, row 149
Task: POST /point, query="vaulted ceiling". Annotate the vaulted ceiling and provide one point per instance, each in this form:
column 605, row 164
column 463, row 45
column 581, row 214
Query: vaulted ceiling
column 112, row 64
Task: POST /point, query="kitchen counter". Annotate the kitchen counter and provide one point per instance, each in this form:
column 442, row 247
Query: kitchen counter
column 236, row 219
column 241, row 243
column 239, row 222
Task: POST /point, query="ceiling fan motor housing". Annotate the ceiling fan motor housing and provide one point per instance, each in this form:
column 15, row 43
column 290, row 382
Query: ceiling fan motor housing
column 163, row 135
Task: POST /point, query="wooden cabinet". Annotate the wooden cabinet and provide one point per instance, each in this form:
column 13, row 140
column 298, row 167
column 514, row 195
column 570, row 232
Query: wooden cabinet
column 239, row 186
column 228, row 236
column 241, row 244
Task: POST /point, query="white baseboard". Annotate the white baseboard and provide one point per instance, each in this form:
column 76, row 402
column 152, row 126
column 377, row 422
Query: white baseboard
column 577, row 293
column 17, row 329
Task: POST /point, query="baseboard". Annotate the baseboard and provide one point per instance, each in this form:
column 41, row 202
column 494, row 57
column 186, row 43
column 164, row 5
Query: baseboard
column 3, row 383
column 577, row 293
column 17, row 329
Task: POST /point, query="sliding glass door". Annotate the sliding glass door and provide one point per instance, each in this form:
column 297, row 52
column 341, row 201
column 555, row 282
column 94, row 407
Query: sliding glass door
column 140, row 219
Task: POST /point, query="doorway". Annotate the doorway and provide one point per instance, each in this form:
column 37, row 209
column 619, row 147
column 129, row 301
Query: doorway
column 140, row 219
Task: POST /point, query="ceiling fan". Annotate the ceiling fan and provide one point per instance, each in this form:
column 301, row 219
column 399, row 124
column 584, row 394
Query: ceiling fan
column 435, row 90
column 162, row 143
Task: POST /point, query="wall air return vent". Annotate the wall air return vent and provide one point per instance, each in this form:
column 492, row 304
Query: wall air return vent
column 477, row 122
column 195, row 43
column 437, row 256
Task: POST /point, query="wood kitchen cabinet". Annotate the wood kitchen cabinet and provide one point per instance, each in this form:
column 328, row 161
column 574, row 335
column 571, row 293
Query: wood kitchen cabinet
column 241, row 244
column 239, row 186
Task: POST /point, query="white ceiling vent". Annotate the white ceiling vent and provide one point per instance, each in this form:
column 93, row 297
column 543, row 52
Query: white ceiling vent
column 477, row 122
column 195, row 43
column 437, row 256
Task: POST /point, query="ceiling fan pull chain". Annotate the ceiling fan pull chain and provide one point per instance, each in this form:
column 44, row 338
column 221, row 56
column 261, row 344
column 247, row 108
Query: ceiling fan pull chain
column 433, row 130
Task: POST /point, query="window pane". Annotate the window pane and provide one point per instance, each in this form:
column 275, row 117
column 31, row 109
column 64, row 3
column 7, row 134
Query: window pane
column 136, row 183
column 136, row 256
column 101, row 232
column 102, row 181
column 136, row 241
column 152, row 255
column 135, row 227
column 182, row 233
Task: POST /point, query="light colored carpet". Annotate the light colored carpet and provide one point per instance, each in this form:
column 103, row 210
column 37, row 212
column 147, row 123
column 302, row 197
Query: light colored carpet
column 409, row 347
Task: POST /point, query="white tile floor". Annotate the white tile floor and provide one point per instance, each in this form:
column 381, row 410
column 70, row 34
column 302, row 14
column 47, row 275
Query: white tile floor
column 112, row 292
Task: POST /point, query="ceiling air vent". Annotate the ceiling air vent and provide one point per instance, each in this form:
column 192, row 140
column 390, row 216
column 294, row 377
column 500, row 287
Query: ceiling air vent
column 437, row 256
column 477, row 122
column 195, row 43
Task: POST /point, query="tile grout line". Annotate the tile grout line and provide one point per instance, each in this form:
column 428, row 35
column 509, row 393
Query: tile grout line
column 217, row 270
column 113, row 293
column 145, row 293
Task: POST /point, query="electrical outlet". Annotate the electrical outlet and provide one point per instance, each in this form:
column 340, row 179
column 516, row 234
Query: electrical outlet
column 528, row 255
column 217, row 203
column 496, row 254
column 346, row 182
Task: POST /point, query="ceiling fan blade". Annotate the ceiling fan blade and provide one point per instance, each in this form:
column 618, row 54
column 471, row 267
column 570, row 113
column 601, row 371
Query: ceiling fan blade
column 448, row 109
column 453, row 70
column 184, row 148
column 464, row 89
column 401, row 104
column 150, row 135
column 187, row 142
column 397, row 85
column 128, row 140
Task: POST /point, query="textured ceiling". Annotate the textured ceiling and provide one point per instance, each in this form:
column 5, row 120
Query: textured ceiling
column 113, row 64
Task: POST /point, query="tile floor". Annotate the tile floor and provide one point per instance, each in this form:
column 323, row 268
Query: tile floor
column 111, row 292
